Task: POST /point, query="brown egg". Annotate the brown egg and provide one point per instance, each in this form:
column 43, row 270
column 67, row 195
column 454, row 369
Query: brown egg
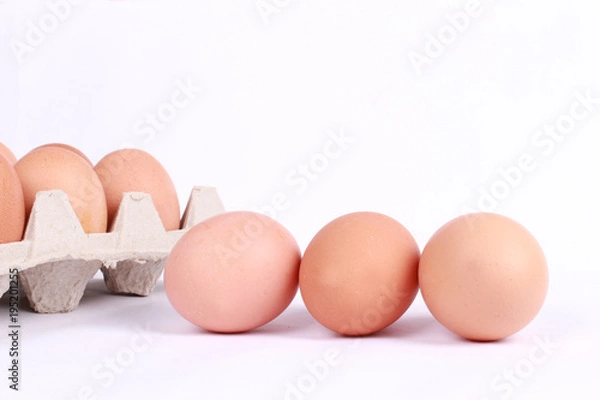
column 133, row 170
column 233, row 272
column 5, row 151
column 12, row 204
column 483, row 276
column 50, row 168
column 359, row 273
column 70, row 148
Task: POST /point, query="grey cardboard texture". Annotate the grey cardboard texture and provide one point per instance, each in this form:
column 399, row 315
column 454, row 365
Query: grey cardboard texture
column 56, row 259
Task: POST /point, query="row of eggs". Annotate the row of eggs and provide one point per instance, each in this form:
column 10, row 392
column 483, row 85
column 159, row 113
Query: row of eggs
column 483, row 276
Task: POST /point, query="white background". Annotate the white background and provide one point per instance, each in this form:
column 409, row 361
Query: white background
column 426, row 143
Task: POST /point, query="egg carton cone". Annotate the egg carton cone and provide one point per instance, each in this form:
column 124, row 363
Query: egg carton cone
column 56, row 259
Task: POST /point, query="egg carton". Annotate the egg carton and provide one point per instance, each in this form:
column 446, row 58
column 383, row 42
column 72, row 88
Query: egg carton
column 56, row 259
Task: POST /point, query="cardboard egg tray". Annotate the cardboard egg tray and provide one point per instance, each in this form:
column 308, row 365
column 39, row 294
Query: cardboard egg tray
column 56, row 259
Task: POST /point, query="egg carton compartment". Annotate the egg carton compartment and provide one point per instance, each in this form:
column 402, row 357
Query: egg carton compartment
column 56, row 259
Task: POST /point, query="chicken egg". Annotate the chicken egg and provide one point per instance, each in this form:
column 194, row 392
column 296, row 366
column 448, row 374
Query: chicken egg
column 12, row 203
column 133, row 170
column 358, row 274
column 483, row 276
column 233, row 272
column 51, row 168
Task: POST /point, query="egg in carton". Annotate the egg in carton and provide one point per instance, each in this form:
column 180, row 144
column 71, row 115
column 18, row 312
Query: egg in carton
column 56, row 259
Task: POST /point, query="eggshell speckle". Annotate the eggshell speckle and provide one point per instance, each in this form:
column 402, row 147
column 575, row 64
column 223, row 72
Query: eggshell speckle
column 483, row 276
column 70, row 148
column 12, row 203
column 359, row 273
column 133, row 170
column 50, row 168
column 233, row 272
